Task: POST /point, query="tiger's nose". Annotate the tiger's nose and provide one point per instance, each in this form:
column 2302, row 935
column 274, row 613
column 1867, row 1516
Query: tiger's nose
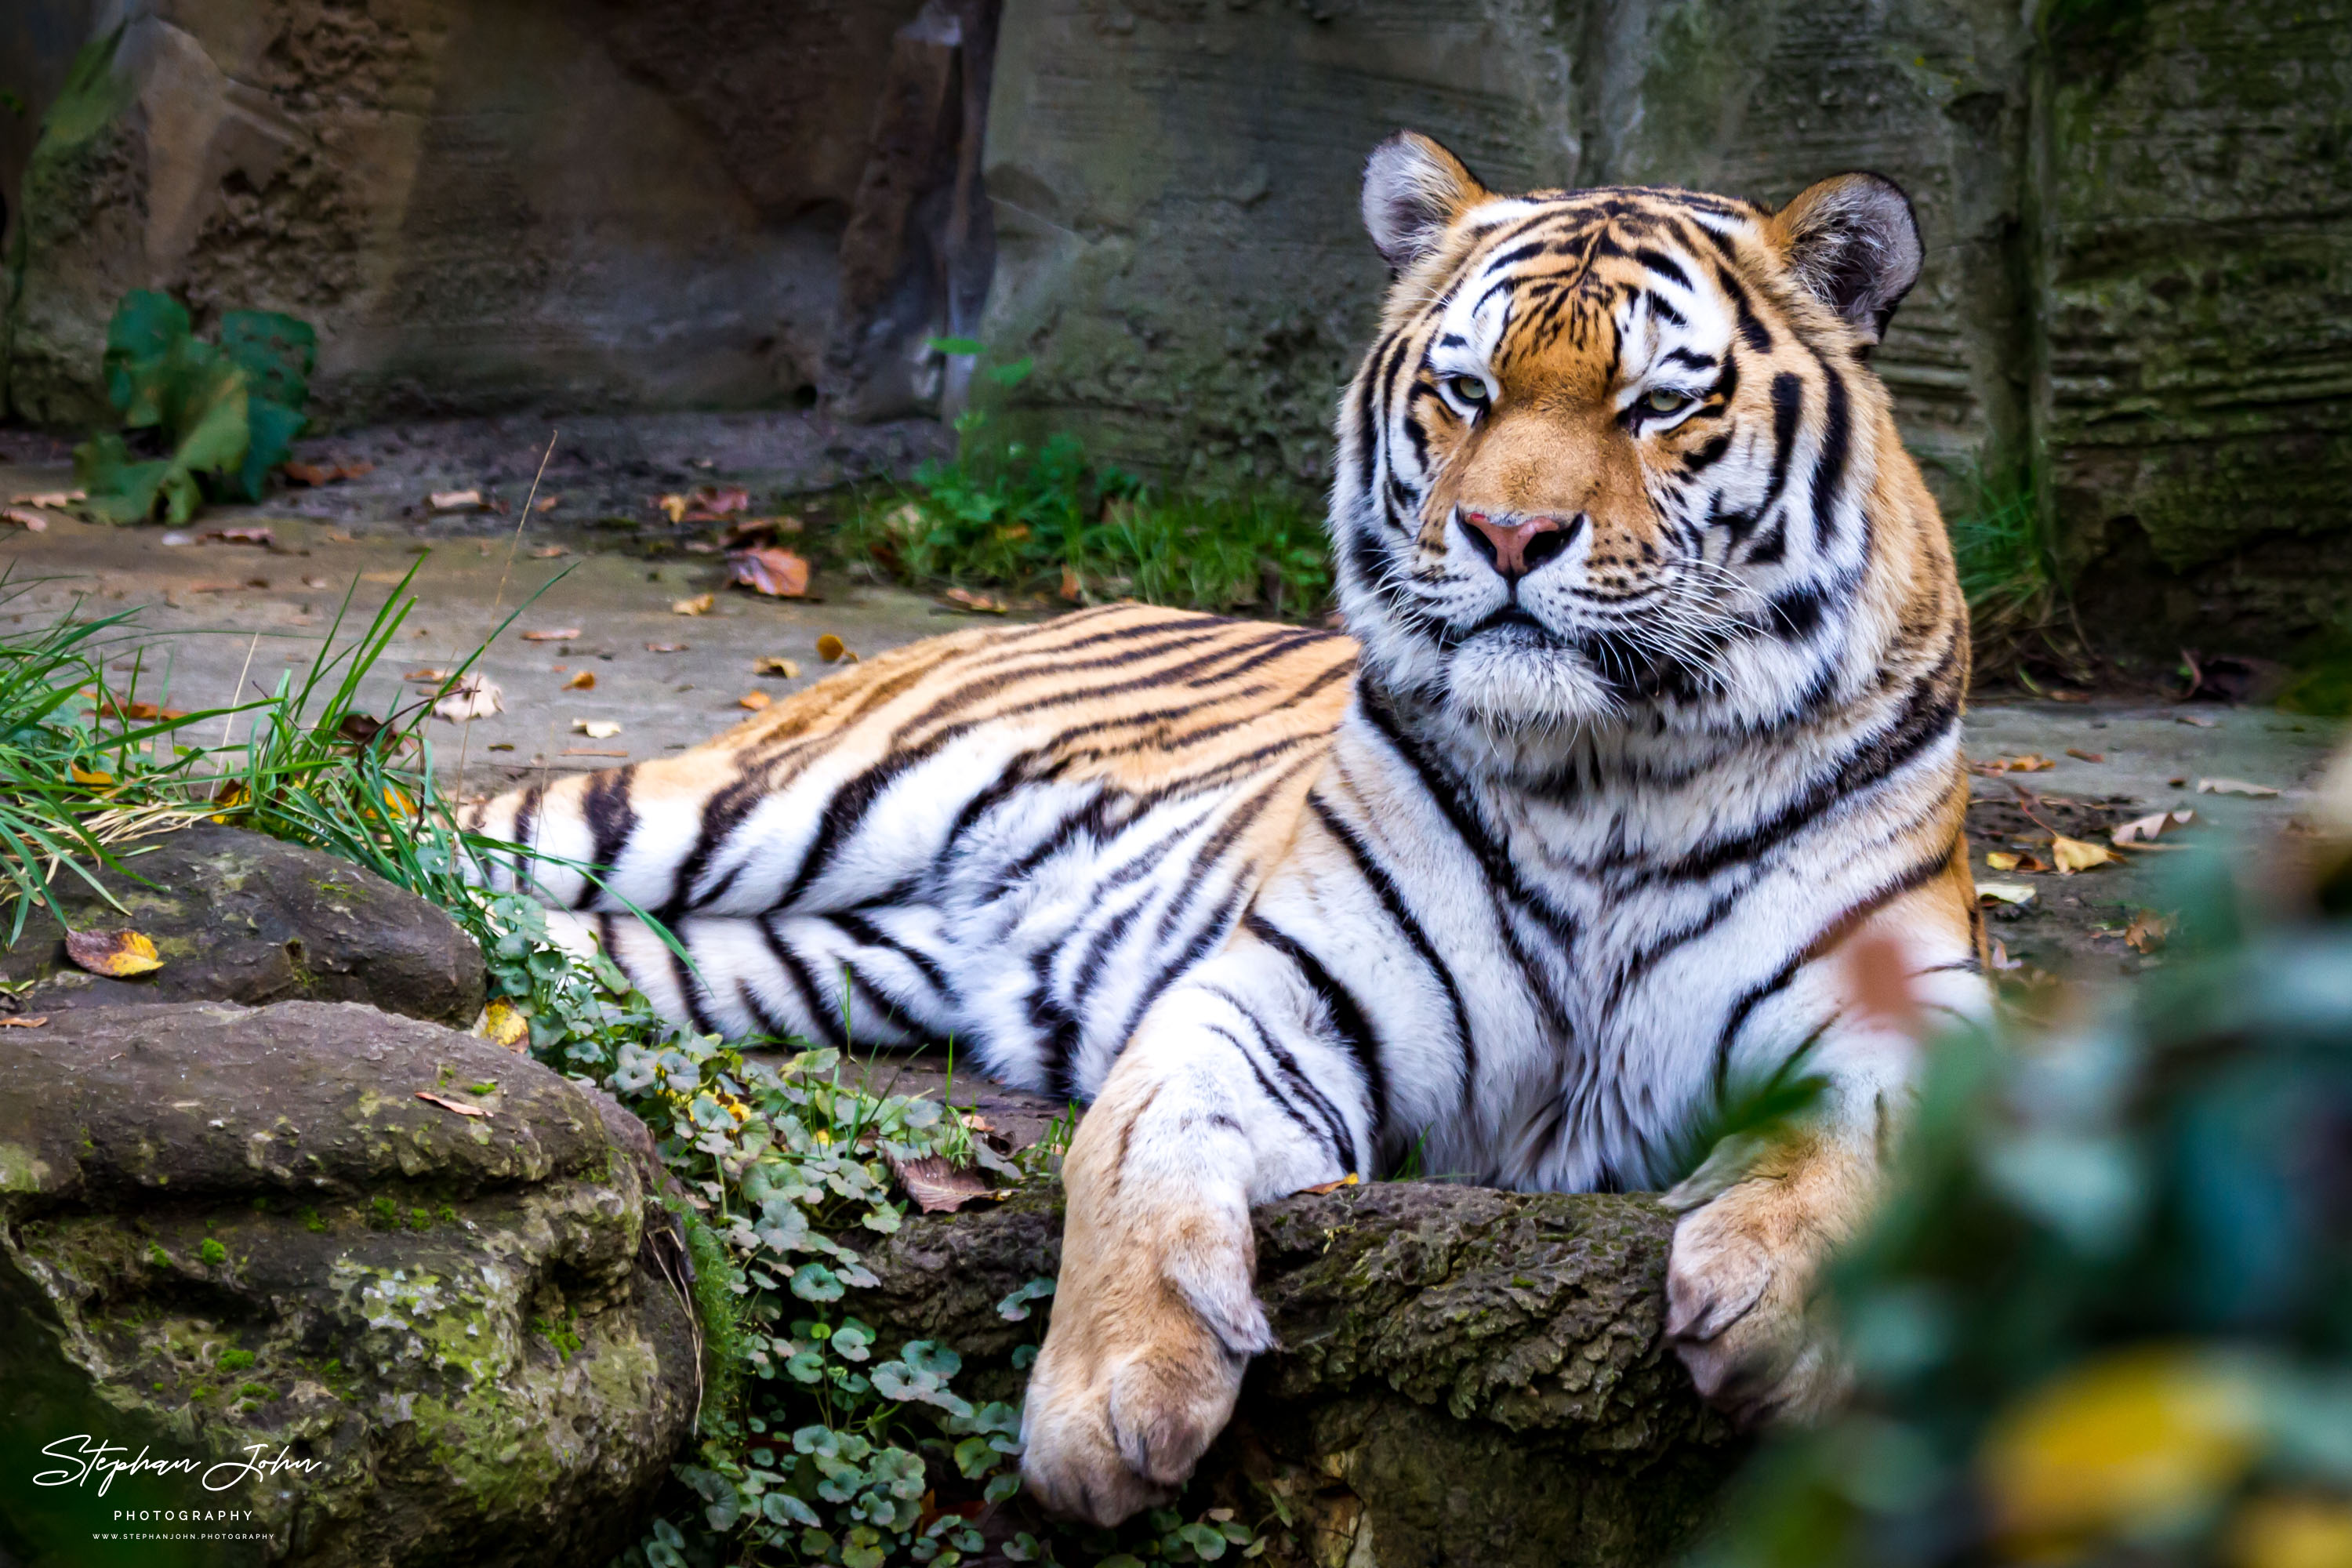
column 1517, row 545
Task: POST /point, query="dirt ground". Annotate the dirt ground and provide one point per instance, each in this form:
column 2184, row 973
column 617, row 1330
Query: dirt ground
column 604, row 570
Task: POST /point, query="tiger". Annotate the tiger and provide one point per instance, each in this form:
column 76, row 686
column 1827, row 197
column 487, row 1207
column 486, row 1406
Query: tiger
column 1634, row 779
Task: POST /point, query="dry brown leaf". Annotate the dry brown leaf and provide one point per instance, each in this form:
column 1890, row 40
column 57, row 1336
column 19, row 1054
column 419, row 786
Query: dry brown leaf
column 665, row 648
column 561, row 634
column 26, row 518
column 2001, row 959
column 455, row 500
column 426, row 677
column 754, row 701
column 2073, row 855
column 474, row 696
column 1073, row 589
column 460, row 1107
column 774, row 666
column 49, row 498
column 2196, row 720
column 710, row 503
column 1320, row 1187
column 832, row 650
column 548, row 552
column 548, row 503
column 2235, row 786
column 2086, row 756
column 23, row 1023
column 590, row 751
column 2147, row 830
column 119, row 953
column 252, row 533
column 697, row 606
column 978, row 603
column 2030, row 763
column 324, row 473
column 2147, row 932
column 596, row 729
column 584, row 681
column 672, row 507
column 778, row 574
column 936, row 1186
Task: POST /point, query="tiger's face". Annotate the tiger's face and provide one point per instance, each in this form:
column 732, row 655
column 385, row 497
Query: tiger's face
column 1615, row 449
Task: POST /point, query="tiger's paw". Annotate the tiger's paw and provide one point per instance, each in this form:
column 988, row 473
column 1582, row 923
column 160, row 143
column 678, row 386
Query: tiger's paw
column 1153, row 1325
column 1737, row 1287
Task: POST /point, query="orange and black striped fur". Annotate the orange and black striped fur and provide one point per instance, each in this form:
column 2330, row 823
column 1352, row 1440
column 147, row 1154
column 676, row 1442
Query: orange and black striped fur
column 1637, row 780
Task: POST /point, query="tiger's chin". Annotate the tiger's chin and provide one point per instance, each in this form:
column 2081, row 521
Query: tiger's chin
column 1512, row 680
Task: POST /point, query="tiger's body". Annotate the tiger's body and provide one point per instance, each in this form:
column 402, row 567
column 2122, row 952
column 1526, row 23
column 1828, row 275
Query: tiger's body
column 1643, row 759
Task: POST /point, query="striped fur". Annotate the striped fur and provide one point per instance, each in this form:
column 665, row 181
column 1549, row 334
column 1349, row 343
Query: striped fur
column 1639, row 780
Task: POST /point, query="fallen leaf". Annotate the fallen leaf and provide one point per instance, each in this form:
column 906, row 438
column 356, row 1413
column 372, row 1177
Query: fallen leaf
column 665, row 648
column 27, row 519
column 2235, row 786
column 1998, row 861
column 358, row 728
column 750, row 527
column 1320, row 1187
column 2086, row 756
column 936, row 1186
column 778, row 574
column 2146, row 829
column 547, row 503
column 49, row 498
column 978, row 603
column 23, row 1023
column 455, row 501
column 2005, row 892
column 711, row 503
column 754, row 701
column 697, row 606
column 561, row 634
column 503, row 746
column 673, row 507
column 339, row 538
column 2030, row 763
column 173, row 539
column 117, row 953
column 503, row 1025
column 462, row 1109
column 256, row 533
column 699, row 547
column 2073, row 855
column 92, row 776
column 2147, row 932
column 474, row 696
column 584, row 681
column 426, row 677
column 548, row 552
column 2197, row 719
column 774, row 666
column 590, row 751
column 596, row 729
column 1073, row 589
column 2001, row 959
column 832, row 650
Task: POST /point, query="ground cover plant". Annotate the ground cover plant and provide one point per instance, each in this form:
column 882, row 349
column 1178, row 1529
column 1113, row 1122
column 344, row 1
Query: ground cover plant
column 1047, row 521
column 816, row 1443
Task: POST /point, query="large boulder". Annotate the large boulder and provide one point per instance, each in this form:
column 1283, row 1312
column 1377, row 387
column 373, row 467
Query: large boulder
column 1467, row 1377
column 228, row 1231
column 241, row 917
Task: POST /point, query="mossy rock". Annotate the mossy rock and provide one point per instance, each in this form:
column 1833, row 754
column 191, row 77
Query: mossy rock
column 241, row 917
column 226, row 1230
column 1465, row 1377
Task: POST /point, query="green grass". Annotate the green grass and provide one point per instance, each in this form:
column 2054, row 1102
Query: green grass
column 1048, row 522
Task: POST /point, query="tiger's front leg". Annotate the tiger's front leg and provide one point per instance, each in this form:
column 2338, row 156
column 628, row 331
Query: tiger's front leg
column 1222, row 1100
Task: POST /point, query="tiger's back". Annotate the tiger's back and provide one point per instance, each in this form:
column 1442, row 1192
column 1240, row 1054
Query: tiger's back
column 1036, row 783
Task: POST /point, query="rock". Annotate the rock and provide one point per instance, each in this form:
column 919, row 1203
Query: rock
column 241, row 917
column 1468, row 1376
column 226, row 1230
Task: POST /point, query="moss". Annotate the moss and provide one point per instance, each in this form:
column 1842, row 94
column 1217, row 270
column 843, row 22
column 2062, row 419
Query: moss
column 212, row 1253
column 234, row 1361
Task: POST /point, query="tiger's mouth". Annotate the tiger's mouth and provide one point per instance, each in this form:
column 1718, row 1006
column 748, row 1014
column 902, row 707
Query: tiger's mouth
column 1630, row 665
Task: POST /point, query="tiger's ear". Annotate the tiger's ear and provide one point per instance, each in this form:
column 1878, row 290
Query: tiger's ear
column 1854, row 245
column 1413, row 190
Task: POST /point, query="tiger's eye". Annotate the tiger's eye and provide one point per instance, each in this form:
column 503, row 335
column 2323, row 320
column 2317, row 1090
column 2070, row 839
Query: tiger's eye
column 1665, row 401
column 1468, row 388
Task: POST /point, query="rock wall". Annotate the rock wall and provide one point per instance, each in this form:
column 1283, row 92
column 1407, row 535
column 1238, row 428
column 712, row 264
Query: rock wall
column 582, row 204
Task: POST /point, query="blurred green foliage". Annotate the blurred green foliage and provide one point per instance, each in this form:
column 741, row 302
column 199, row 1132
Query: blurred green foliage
column 224, row 414
column 2106, row 1316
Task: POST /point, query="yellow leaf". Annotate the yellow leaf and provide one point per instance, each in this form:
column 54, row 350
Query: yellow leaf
column 584, row 681
column 119, row 953
column 503, row 1025
column 2073, row 855
column 596, row 729
column 82, row 776
column 773, row 666
column 2005, row 892
column 832, row 650
column 697, row 606
column 2137, row 1437
column 2000, row 861
column 1348, row 1180
column 672, row 506
column 754, row 701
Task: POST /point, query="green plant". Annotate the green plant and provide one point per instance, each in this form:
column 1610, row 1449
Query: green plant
column 225, row 414
column 1047, row 518
column 233, row 1361
column 2004, row 564
column 212, row 1253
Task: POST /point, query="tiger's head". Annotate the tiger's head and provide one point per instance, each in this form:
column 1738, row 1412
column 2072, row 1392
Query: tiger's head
column 1618, row 456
